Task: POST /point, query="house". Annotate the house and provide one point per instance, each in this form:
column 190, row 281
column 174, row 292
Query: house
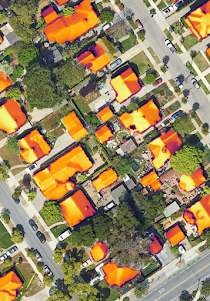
column 129, row 182
column 10, row 284
column 170, row 209
column 105, row 179
column 120, row 193
column 4, row 4
column 127, row 147
column 190, row 182
column 51, row 55
column 74, row 126
column 9, row 38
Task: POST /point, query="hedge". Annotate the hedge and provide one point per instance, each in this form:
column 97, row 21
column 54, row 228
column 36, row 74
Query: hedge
column 107, row 45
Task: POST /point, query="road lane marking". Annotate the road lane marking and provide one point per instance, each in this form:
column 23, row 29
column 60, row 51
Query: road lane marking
column 183, row 282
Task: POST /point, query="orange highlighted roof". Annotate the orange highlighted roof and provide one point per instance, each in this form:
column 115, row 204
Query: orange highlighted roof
column 10, row 284
column 74, row 126
column 105, row 114
column 141, row 119
column 33, row 147
column 189, row 183
column 199, row 21
column 208, row 52
column 125, row 85
column 116, row 275
column 175, row 235
column 103, row 134
column 155, row 246
column 61, row 2
column 54, row 182
column 152, row 180
column 68, row 28
column 95, row 59
column 11, row 116
column 163, row 147
column 99, row 251
column 76, row 208
column 199, row 214
column 105, row 179
column 5, row 82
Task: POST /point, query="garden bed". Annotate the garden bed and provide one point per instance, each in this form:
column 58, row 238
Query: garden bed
column 172, row 108
column 178, row 27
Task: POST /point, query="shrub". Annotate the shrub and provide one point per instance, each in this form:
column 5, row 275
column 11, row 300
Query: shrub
column 204, row 129
column 184, row 100
column 17, row 72
column 193, row 114
column 8, row 51
column 177, row 89
column 7, row 262
column 162, row 92
column 68, row 11
column 150, row 78
column 169, row 93
column 109, row 47
column 163, row 69
column 31, row 196
column 99, row 6
column 5, row 216
column 117, row 2
column 174, row 250
column 3, row 16
column 14, row 93
column 141, row 36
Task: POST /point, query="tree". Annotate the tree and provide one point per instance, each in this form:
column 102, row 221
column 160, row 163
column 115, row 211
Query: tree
column 186, row 159
column 106, row 16
column 150, row 78
column 205, row 129
column 47, row 280
column 17, row 236
column 16, row 194
column 17, row 72
column 88, row 236
column 69, row 269
column 92, row 119
column 41, row 90
column 82, row 177
column 140, row 290
column 58, row 296
column 3, row 16
column 73, row 49
column 14, row 93
column 7, row 262
column 125, row 217
column 28, row 55
column 102, row 224
column 205, row 191
column 51, row 212
column 58, row 255
column 141, row 37
column 68, row 11
column 39, row 267
column 12, row 146
column 31, row 196
column 31, row 254
column 5, row 217
column 122, row 165
column 205, row 290
column 4, row 173
column 174, row 250
column 183, row 125
column 6, row 67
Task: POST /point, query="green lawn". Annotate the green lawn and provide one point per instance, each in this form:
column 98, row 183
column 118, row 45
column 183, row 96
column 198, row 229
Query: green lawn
column 127, row 44
column 208, row 78
column 168, row 35
column 206, row 91
column 154, row 55
column 146, row 2
column 5, row 241
column 178, row 27
column 178, row 49
column 59, row 230
column 106, row 292
column 201, row 62
column 190, row 67
column 161, row 5
column 189, row 41
column 141, row 63
column 132, row 23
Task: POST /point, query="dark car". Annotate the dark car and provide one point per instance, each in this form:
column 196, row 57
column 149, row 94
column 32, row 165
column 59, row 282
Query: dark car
column 38, row 255
column 33, row 224
column 176, row 115
column 47, row 271
column 11, row 251
column 17, row 201
column 115, row 63
column 41, row 236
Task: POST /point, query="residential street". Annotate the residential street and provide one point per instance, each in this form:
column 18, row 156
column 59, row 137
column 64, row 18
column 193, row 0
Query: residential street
column 185, row 280
column 176, row 67
column 20, row 218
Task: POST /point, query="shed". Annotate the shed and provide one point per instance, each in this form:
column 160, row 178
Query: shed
column 119, row 192
column 172, row 208
column 128, row 146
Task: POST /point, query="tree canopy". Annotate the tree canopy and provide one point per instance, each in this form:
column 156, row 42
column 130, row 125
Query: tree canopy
column 31, row 254
column 51, row 212
column 102, row 224
column 205, row 191
column 106, row 16
column 186, row 159
column 85, row 236
column 12, row 146
column 41, row 90
column 69, row 269
column 6, row 67
column 58, row 255
column 58, row 296
column 174, row 250
column 150, row 78
column 13, row 92
column 3, row 173
column 205, row 290
column 28, row 55
column 47, row 280
column 3, row 16
column 183, row 125
column 17, row 236
column 140, row 290
column 122, row 165
column 125, row 217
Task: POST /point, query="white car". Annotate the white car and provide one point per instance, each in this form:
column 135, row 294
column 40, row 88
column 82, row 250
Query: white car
column 181, row 250
column 4, row 256
column 64, row 235
column 195, row 83
column 168, row 10
column 178, row 83
column 178, row 4
column 31, row 167
column 105, row 27
column 170, row 45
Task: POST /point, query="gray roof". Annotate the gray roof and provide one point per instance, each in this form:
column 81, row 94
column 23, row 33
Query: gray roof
column 11, row 37
column 172, row 208
column 128, row 146
column 119, row 192
column 52, row 55
column 165, row 256
column 130, row 184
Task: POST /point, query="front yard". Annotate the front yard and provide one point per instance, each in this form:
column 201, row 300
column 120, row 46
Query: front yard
column 5, row 238
column 154, row 55
column 172, row 108
column 140, row 63
column 57, row 230
column 201, row 62
column 127, row 44
column 205, row 89
column 189, row 41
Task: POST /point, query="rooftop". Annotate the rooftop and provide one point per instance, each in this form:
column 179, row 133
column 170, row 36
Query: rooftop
column 128, row 146
column 120, row 193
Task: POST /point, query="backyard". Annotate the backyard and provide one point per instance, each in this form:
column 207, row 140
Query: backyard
column 140, row 63
column 201, row 62
column 83, row 102
column 105, row 292
column 5, row 241
column 189, row 41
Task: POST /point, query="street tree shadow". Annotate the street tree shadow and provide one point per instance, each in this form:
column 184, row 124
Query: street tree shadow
column 184, row 295
column 205, row 125
column 20, row 228
column 196, row 106
column 166, row 60
column 193, row 54
column 62, row 287
column 186, row 92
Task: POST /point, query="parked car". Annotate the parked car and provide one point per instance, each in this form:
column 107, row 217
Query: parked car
column 41, row 236
column 4, row 256
column 64, row 235
column 157, row 82
column 170, row 45
column 165, row 122
column 47, row 271
column 178, row 83
column 31, row 167
column 33, row 224
column 138, row 23
column 11, row 251
column 109, row 206
column 195, row 83
column 105, row 27
column 181, row 250
column 38, row 255
column 168, row 10
column 176, row 115
column 17, row 201
column 115, row 63
column 178, row 4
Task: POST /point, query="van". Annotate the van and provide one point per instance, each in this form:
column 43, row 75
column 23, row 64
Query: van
column 64, row 235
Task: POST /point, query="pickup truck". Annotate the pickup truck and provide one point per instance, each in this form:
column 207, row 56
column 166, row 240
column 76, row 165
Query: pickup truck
column 170, row 45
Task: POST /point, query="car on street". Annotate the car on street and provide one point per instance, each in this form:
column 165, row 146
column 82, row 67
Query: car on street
column 41, row 236
column 168, row 10
column 138, row 24
column 115, row 63
column 170, row 45
column 11, row 251
column 157, row 82
column 64, row 235
column 47, row 271
column 33, row 224
column 2, row 257
column 31, row 167
column 107, row 26
column 165, row 122
column 178, row 83
column 178, row 4
column 38, row 255
column 176, row 115
column 195, row 83
column 17, row 201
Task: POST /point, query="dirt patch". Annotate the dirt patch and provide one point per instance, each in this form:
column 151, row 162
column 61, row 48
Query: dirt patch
column 108, row 4
column 83, row 102
column 12, row 160
column 57, row 132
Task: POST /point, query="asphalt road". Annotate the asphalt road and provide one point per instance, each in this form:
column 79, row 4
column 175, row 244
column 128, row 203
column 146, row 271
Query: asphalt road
column 181, row 283
column 20, row 218
column 176, row 67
